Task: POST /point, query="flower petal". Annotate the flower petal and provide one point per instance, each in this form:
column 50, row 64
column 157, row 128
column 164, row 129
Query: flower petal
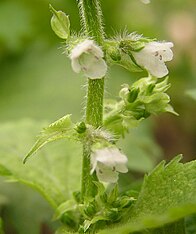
column 97, row 70
column 157, row 68
column 107, row 176
column 108, row 162
column 88, row 57
column 80, row 48
column 75, row 65
column 121, row 167
column 153, row 56
column 167, row 55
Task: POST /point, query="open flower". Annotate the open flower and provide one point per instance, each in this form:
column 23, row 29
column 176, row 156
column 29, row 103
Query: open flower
column 108, row 162
column 88, row 57
column 153, row 57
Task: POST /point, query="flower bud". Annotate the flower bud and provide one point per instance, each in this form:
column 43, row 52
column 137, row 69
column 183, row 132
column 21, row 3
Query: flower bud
column 150, row 88
column 81, row 127
column 141, row 113
column 68, row 220
column 90, row 209
column 125, row 201
column 114, row 54
column 113, row 214
column 133, row 94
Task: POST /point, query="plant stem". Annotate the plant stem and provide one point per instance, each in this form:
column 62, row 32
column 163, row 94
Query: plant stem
column 94, row 106
column 91, row 17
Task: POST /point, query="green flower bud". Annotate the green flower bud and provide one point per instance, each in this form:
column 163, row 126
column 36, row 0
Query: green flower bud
column 141, row 113
column 126, row 201
column 68, row 220
column 133, row 94
column 127, row 45
column 60, row 23
column 90, row 209
column 81, row 127
column 114, row 54
column 146, row 114
column 113, row 214
column 150, row 89
column 157, row 103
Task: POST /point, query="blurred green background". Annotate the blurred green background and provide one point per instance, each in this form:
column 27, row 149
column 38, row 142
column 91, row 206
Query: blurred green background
column 36, row 82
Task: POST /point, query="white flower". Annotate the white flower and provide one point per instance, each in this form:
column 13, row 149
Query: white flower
column 145, row 1
column 88, row 57
column 153, row 57
column 108, row 162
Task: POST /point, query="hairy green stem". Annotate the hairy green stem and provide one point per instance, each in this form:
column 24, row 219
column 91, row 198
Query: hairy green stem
column 94, row 117
column 94, row 106
column 91, row 17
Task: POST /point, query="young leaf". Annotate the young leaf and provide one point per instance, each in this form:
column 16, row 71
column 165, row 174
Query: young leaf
column 62, row 128
column 167, row 195
column 60, row 23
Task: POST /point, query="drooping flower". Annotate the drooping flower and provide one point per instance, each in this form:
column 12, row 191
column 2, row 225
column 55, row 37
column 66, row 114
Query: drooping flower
column 153, row 57
column 108, row 162
column 145, row 1
column 88, row 58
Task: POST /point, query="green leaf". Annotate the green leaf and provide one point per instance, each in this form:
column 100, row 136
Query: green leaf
column 140, row 141
column 173, row 228
column 167, row 195
column 62, row 128
column 60, row 23
column 190, row 224
column 53, row 174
